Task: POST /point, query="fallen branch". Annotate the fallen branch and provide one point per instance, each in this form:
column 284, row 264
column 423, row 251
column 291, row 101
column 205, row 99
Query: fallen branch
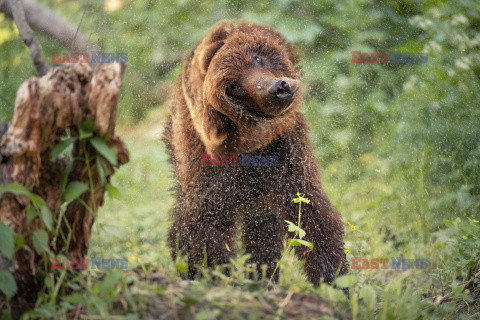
column 43, row 19
column 28, row 36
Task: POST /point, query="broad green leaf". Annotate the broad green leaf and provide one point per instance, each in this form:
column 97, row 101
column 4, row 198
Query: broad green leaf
column 299, row 242
column 40, row 241
column 37, row 200
column 74, row 190
column 19, row 241
column 6, row 240
column 15, row 188
column 7, row 284
column 113, row 192
column 46, row 217
column 18, row 189
column 86, row 128
column 101, row 146
column 31, row 213
column 294, row 228
column 447, row 222
column 60, row 147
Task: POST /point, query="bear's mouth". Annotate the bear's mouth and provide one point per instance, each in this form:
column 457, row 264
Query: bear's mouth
column 289, row 104
column 245, row 108
column 268, row 110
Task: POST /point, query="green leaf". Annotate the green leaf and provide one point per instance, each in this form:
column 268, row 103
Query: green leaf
column 75, row 298
column 298, row 243
column 300, row 198
column 101, row 168
column 101, row 146
column 7, row 284
column 31, row 213
column 447, row 222
column 40, row 241
column 60, row 147
column 294, row 228
column 346, row 281
column 18, row 189
column 15, row 188
column 19, row 241
column 113, row 192
column 74, row 190
column 182, row 267
column 86, row 128
column 46, row 217
column 65, row 174
column 6, row 240
column 37, row 200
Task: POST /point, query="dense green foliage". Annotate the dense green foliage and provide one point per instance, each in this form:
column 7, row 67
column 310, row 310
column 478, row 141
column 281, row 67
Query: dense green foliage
column 398, row 144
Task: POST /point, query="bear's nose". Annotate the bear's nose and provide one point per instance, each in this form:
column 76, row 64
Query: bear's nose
column 280, row 89
column 281, row 93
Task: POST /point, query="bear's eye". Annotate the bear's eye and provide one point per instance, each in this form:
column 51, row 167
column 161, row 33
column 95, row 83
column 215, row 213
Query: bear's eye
column 258, row 61
column 235, row 90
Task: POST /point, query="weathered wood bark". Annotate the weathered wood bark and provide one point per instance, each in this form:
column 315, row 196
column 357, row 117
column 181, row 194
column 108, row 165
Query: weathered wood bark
column 44, row 108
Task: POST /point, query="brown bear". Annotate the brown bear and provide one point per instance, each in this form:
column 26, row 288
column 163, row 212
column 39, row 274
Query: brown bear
column 238, row 101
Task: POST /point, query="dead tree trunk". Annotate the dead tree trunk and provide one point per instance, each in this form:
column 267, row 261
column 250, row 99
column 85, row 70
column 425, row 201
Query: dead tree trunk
column 44, row 109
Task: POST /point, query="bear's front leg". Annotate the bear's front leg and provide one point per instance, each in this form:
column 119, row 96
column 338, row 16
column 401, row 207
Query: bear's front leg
column 263, row 232
column 211, row 237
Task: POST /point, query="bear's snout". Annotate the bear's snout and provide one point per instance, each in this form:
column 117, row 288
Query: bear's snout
column 276, row 94
column 272, row 95
column 281, row 93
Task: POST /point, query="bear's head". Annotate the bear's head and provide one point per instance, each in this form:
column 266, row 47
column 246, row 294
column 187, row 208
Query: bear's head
column 242, row 87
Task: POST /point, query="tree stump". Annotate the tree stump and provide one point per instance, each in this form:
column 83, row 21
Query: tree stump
column 45, row 108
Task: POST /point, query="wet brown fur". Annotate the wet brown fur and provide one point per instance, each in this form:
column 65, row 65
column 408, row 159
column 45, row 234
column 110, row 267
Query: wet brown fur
column 211, row 202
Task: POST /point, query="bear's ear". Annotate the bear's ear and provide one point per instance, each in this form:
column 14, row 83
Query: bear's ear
column 212, row 41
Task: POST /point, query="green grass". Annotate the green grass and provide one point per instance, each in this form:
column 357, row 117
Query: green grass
column 136, row 226
column 383, row 217
column 386, row 225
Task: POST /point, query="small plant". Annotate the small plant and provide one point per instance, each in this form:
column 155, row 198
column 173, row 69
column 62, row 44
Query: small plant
column 466, row 240
column 299, row 233
column 10, row 242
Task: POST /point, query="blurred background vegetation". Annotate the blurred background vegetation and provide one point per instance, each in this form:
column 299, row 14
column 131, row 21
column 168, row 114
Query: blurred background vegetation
column 398, row 144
